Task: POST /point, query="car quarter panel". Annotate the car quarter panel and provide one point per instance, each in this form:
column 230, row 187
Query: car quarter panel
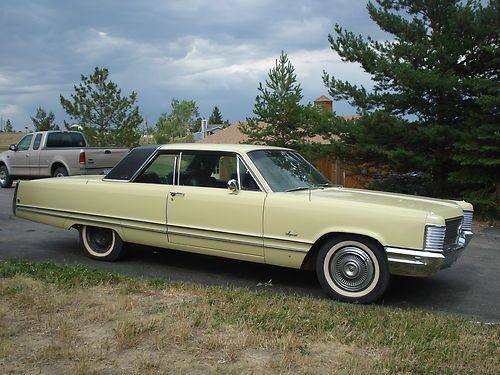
column 136, row 211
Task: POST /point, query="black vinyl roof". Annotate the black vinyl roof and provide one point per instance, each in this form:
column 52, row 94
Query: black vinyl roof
column 131, row 163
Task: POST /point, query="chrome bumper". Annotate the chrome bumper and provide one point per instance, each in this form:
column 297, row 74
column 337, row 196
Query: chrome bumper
column 422, row 263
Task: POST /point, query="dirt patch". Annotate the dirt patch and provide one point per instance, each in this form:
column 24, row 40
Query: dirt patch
column 117, row 330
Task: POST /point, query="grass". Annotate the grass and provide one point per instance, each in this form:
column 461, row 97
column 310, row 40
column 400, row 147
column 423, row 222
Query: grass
column 7, row 139
column 59, row 319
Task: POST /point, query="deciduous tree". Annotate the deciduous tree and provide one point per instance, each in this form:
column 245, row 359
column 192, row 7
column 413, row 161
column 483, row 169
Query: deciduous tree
column 179, row 123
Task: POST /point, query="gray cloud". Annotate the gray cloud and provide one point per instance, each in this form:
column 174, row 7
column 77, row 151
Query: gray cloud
column 215, row 52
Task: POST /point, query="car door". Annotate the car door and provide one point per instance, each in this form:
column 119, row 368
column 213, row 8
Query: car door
column 202, row 213
column 145, row 201
column 35, row 155
column 20, row 159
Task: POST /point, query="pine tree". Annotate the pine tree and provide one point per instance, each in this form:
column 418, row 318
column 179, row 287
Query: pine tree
column 279, row 116
column 431, row 79
column 8, row 126
column 216, row 117
column 107, row 118
column 44, row 121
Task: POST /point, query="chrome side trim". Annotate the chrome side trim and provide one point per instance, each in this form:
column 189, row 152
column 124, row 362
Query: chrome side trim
column 239, row 242
column 90, row 220
column 240, row 234
column 285, row 248
column 162, row 231
column 88, row 214
column 66, row 215
column 210, row 238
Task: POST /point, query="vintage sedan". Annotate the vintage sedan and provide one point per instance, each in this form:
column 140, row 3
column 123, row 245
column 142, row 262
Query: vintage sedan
column 254, row 203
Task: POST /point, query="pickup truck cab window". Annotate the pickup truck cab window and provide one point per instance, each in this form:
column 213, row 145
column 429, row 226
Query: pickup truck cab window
column 24, row 144
column 65, row 139
column 36, row 142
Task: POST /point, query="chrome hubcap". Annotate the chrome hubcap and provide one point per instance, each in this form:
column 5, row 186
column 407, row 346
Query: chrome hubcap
column 352, row 269
column 3, row 177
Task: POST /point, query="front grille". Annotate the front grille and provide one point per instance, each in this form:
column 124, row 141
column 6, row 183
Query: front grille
column 467, row 225
column 452, row 234
column 434, row 237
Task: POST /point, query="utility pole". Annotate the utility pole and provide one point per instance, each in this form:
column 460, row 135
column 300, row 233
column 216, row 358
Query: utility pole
column 1, row 124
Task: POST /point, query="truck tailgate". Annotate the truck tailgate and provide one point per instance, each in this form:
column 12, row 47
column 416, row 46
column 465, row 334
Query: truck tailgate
column 103, row 157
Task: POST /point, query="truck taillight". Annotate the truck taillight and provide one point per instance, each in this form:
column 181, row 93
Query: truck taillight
column 82, row 157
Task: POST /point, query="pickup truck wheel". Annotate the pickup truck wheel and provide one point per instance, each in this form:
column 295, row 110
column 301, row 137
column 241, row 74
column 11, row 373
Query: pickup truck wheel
column 353, row 269
column 6, row 180
column 100, row 243
column 60, row 172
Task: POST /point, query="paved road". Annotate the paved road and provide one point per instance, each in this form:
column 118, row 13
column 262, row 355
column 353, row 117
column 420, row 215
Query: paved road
column 471, row 287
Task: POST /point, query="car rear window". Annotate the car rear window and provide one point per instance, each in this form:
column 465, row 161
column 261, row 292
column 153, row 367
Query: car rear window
column 65, row 139
column 131, row 163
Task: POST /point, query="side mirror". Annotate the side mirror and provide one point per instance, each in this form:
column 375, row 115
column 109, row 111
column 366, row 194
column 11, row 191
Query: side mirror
column 13, row 147
column 232, row 185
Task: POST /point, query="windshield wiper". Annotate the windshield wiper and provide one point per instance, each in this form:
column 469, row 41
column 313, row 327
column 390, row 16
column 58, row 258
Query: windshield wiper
column 298, row 188
column 323, row 185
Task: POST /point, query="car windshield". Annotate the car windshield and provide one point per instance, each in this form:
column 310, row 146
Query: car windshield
column 286, row 170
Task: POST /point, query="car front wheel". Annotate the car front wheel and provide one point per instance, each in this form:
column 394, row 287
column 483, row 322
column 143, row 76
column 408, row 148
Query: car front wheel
column 100, row 243
column 6, row 180
column 353, row 269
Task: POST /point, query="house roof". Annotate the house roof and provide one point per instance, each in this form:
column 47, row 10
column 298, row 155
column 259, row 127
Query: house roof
column 232, row 134
column 323, row 98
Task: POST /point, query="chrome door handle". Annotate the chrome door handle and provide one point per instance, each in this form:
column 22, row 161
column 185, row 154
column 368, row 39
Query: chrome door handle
column 174, row 193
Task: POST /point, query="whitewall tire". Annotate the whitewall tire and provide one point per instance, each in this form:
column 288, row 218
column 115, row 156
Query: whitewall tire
column 353, row 269
column 100, row 243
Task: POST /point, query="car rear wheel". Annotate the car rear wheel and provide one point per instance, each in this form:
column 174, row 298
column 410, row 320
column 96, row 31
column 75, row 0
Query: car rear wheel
column 60, row 172
column 100, row 243
column 6, row 180
column 353, row 269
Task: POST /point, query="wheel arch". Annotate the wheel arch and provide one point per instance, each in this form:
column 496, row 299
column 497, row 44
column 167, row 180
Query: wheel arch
column 59, row 163
column 4, row 164
column 80, row 223
column 309, row 262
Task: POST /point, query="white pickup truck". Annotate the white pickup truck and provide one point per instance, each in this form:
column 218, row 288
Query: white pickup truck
column 55, row 154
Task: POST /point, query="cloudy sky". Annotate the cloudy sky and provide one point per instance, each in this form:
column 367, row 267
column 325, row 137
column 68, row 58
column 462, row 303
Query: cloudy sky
column 213, row 52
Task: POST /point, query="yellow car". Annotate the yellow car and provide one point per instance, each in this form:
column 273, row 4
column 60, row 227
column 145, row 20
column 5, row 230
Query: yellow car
column 255, row 203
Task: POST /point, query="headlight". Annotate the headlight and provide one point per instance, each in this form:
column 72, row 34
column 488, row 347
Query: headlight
column 434, row 237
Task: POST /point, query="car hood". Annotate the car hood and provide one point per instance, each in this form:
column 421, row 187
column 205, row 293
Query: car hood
column 431, row 206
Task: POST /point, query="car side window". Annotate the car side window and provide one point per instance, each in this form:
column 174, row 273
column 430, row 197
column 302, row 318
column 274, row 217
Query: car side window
column 36, row 142
column 24, row 144
column 246, row 179
column 159, row 171
column 214, row 170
